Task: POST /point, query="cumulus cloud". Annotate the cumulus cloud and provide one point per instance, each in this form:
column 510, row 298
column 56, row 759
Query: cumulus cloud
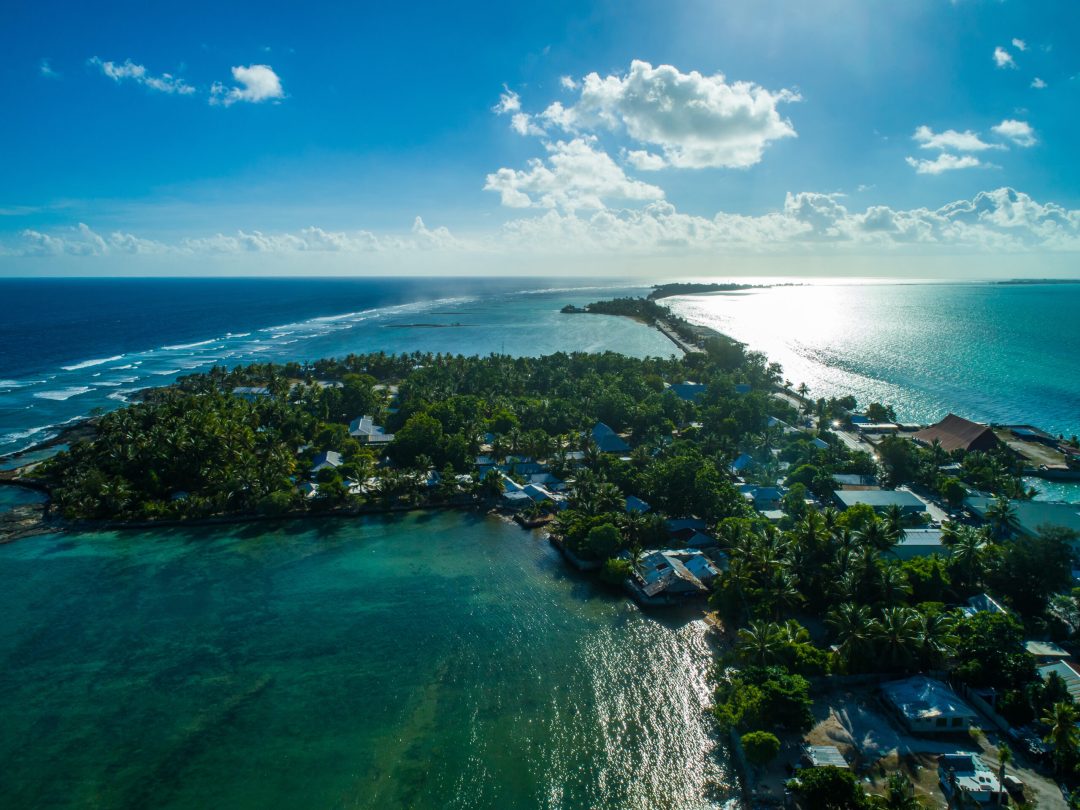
column 696, row 121
column 807, row 222
column 1038, row 83
column 1019, row 44
column 966, row 141
column 944, row 163
column 575, row 175
column 509, row 102
column 1002, row 58
column 568, row 82
column 1000, row 220
column 646, row 161
column 1019, row 132
column 255, row 84
column 128, row 70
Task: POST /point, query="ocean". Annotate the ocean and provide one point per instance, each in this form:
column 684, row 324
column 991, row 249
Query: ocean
column 1006, row 353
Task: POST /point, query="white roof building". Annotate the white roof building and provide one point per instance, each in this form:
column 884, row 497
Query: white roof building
column 366, row 431
column 928, row 706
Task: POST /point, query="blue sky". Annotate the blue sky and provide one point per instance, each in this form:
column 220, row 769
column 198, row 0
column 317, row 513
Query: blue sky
column 667, row 137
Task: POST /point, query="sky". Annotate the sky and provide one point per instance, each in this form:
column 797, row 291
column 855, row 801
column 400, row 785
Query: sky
column 831, row 137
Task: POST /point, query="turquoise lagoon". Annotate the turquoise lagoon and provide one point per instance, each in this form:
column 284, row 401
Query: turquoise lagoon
column 436, row 660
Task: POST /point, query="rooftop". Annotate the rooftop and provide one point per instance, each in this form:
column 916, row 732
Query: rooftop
column 920, row 698
column 956, row 433
column 1033, row 514
column 1065, row 671
column 879, row 498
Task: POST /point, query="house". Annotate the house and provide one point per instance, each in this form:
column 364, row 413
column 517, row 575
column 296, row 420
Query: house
column 548, row 480
column 309, row 490
column 763, row 498
column 327, row 458
column 743, row 388
column 819, row 443
column 956, row 433
column 741, row 463
column 966, row 772
column 366, row 431
column 662, row 577
column 1028, row 433
column 635, row 505
column 608, row 440
column 1067, row 673
column 689, row 391
column 880, row 500
column 927, row 706
column 820, row 756
column 697, row 564
column 1046, row 652
column 919, row 543
column 983, row 603
column 1031, row 515
column 852, row 481
column 678, row 524
column 251, row 393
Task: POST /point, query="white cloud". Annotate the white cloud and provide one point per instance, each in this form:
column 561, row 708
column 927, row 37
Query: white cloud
column 575, row 175
column 509, row 102
column 966, row 141
column 696, row 121
column 1002, row 58
column 1038, row 83
column 646, row 161
column 45, row 68
column 257, row 83
column 568, row 83
column 1019, row 44
column 944, row 163
column 1019, row 132
column 165, row 83
column 1000, row 220
column 807, row 222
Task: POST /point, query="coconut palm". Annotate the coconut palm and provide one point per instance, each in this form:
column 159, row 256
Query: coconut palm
column 900, row 794
column 876, row 535
column 894, row 523
column 1001, row 515
column 898, row 636
column 1063, row 735
column 1004, row 758
column 854, row 630
column 760, row 643
column 935, row 638
column 968, row 547
column 893, row 585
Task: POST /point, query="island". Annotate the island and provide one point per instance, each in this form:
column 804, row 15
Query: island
column 849, row 565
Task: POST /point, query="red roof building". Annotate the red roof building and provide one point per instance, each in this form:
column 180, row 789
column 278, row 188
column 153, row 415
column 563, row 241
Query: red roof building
column 956, row 433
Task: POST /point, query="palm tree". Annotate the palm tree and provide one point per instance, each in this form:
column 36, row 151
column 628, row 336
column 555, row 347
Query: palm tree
column 894, row 523
column 875, row 535
column 760, row 643
column 1004, row 758
column 893, row 584
column 854, row 630
column 935, row 639
column 968, row 547
column 900, row 794
column 898, row 633
column 1063, row 736
column 1002, row 518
